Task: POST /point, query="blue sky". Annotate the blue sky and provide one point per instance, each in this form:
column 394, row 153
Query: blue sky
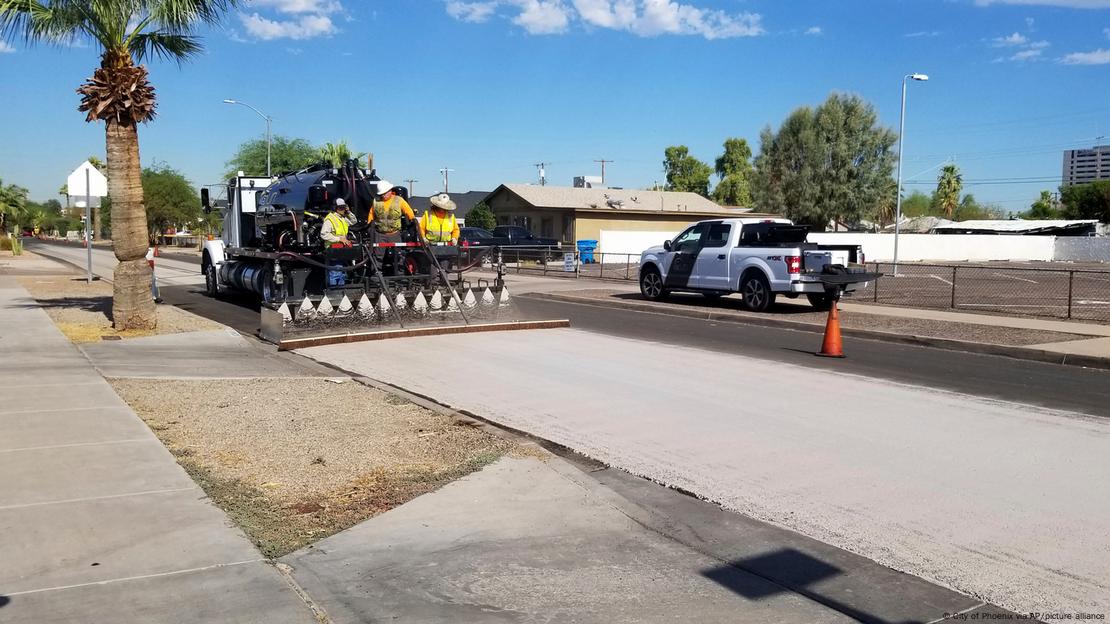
column 488, row 88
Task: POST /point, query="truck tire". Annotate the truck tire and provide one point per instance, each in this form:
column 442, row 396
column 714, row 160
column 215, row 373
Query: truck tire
column 820, row 301
column 651, row 284
column 211, row 282
column 756, row 292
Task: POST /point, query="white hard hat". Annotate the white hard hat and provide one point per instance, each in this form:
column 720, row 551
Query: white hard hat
column 384, row 186
column 340, row 202
column 443, row 201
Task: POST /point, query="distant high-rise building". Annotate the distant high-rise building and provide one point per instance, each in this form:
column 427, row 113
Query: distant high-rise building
column 1086, row 165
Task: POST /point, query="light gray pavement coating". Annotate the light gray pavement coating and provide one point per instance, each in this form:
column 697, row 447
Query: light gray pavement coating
column 526, row 541
column 996, row 499
column 98, row 523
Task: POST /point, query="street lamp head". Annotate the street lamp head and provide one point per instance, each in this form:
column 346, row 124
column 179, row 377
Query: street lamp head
column 919, row 77
column 230, row 102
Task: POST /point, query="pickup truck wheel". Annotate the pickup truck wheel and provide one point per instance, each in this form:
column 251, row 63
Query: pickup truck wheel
column 757, row 293
column 820, row 301
column 651, row 285
column 211, row 285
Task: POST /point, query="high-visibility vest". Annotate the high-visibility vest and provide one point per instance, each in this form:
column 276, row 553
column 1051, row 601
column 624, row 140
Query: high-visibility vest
column 387, row 215
column 438, row 230
column 338, row 224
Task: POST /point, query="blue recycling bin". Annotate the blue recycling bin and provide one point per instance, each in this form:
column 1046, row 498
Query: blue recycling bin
column 586, row 250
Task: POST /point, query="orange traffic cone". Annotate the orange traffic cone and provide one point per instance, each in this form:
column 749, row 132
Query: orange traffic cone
column 832, row 346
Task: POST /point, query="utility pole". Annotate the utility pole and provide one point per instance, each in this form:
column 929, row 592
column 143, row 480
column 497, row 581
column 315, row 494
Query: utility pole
column 445, row 171
column 410, row 183
column 602, row 161
column 543, row 178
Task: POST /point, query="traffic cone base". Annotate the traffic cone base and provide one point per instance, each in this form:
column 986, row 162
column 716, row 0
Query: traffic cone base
column 833, row 345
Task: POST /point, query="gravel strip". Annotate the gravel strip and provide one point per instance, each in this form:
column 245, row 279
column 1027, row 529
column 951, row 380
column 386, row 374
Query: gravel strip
column 294, row 462
column 968, row 332
column 82, row 311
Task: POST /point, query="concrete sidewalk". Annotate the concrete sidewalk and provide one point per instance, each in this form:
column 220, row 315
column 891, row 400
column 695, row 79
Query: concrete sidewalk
column 98, row 523
column 533, row 541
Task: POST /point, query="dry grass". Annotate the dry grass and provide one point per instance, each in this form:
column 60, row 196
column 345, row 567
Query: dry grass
column 83, row 311
column 292, row 463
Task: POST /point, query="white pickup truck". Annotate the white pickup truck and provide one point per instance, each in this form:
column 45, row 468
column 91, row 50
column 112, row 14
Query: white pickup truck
column 758, row 258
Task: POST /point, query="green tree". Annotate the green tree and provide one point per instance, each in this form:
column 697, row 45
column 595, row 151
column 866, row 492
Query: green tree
column 734, row 169
column 125, row 32
column 684, row 172
column 13, row 200
column 286, row 155
column 1043, row 208
column 338, row 153
column 833, row 162
column 480, row 216
column 950, row 184
column 1087, row 201
column 170, row 199
column 918, row 204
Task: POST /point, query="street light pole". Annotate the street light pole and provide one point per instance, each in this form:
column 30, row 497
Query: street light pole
column 901, row 140
column 268, row 122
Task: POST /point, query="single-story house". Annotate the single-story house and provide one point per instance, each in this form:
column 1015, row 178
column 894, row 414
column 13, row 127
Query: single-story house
column 463, row 202
column 624, row 221
column 1028, row 227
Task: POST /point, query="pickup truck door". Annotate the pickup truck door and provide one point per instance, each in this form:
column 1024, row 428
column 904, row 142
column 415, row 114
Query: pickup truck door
column 712, row 264
column 684, row 255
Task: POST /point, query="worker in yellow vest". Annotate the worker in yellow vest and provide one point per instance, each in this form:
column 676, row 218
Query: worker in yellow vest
column 439, row 225
column 333, row 232
column 387, row 212
column 336, row 225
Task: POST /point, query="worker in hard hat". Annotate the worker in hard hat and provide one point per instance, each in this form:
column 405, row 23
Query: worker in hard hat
column 388, row 211
column 438, row 224
column 336, row 225
column 334, row 234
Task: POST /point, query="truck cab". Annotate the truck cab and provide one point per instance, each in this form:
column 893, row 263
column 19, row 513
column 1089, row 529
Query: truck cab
column 238, row 206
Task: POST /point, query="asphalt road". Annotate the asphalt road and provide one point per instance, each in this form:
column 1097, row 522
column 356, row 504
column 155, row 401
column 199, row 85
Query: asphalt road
column 1050, row 385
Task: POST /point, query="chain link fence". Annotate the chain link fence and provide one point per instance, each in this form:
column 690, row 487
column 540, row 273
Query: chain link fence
column 1082, row 294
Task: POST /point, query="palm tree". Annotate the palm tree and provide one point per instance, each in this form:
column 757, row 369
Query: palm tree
column 126, row 32
column 338, row 153
column 13, row 200
column 949, row 186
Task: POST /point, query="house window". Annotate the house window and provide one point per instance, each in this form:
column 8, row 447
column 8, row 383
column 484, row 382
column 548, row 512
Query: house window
column 568, row 228
column 523, row 221
column 502, row 219
column 547, row 227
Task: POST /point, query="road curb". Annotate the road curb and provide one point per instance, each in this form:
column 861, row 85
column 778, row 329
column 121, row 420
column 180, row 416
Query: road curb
column 1019, row 353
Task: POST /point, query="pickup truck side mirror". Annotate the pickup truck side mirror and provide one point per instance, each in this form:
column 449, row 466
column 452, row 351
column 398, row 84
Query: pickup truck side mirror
column 666, row 245
column 205, row 202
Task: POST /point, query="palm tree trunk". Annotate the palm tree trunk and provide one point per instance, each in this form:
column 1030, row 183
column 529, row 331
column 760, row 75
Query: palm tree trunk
column 132, row 303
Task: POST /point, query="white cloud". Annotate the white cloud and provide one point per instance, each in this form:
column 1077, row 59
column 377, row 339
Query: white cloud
column 1027, row 55
column 542, row 17
column 1038, row 45
column 923, row 33
column 1030, row 24
column 5, row 47
column 471, row 11
column 644, row 18
column 299, row 6
column 1015, row 39
column 1106, row 32
column 1070, row 4
column 813, row 30
column 303, row 27
column 1095, row 57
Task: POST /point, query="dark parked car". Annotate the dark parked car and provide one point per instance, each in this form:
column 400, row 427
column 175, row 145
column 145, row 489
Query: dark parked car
column 516, row 236
column 475, row 236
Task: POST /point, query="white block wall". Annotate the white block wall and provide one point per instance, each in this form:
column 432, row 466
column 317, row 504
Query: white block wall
column 944, row 247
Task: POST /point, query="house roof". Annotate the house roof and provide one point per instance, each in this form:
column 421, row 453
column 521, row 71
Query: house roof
column 618, row 201
column 1015, row 226
column 463, row 202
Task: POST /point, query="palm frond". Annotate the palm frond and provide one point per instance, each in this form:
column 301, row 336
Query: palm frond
column 164, row 45
column 182, row 15
column 54, row 23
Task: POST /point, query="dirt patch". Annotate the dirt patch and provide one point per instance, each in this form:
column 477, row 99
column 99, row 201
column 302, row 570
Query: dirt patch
column 970, row 332
column 83, row 311
column 293, row 463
